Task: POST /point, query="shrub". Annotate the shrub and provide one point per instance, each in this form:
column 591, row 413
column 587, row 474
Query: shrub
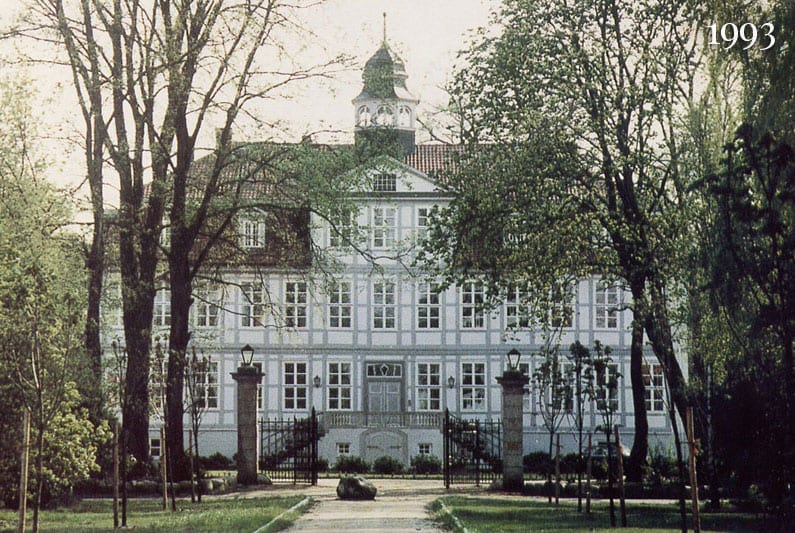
column 216, row 461
column 599, row 469
column 570, row 464
column 661, row 467
column 426, row 464
column 537, row 463
column 322, row 464
column 351, row 464
column 387, row 465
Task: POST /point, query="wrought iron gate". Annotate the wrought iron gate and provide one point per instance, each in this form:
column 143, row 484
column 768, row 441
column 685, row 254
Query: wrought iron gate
column 472, row 451
column 288, row 449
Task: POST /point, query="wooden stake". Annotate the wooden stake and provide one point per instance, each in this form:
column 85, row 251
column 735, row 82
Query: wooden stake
column 620, row 462
column 23, row 470
column 115, row 474
column 588, row 470
column 692, row 467
column 163, row 469
column 557, row 469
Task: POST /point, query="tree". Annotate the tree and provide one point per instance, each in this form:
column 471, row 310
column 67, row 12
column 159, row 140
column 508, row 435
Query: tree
column 164, row 71
column 572, row 112
column 42, row 285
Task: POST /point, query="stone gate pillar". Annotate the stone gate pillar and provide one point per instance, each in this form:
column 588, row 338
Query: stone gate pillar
column 248, row 378
column 513, row 383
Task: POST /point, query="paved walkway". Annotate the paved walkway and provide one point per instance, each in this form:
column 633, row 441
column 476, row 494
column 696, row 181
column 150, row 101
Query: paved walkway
column 399, row 506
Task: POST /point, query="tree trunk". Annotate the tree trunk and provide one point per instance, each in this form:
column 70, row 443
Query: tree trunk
column 640, row 445
column 95, row 265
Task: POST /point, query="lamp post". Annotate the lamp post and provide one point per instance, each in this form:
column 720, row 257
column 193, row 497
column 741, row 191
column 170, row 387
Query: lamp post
column 248, row 378
column 513, row 383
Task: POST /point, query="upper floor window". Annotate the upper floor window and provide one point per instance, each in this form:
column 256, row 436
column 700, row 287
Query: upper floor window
column 363, row 116
column 473, row 314
column 404, row 117
column 384, row 182
column 562, row 311
column 473, row 386
column 423, row 219
column 206, row 307
column 428, row 307
column 339, row 305
column 343, row 232
column 605, row 306
column 295, row 304
column 654, row 380
column 385, row 116
column 384, row 305
column 162, row 309
column 252, row 309
column 517, row 311
column 252, row 232
column 384, row 226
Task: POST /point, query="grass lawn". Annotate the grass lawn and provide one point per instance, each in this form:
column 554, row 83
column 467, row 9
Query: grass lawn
column 240, row 514
column 497, row 515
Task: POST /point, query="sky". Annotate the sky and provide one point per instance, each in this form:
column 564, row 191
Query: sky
column 426, row 34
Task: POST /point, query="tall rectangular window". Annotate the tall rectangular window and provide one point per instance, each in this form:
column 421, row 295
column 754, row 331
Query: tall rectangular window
column 295, row 386
column 607, row 387
column 473, row 386
column 252, row 309
column 428, row 308
column 517, row 312
column 473, row 314
column 429, row 387
column 162, row 309
column 654, row 380
column 562, row 312
column 384, row 226
column 341, row 235
column 252, row 233
column 260, row 387
column 527, row 398
column 339, row 305
column 384, row 305
column 295, row 304
column 209, row 390
column 423, row 218
column 206, row 307
column 606, row 306
column 339, row 386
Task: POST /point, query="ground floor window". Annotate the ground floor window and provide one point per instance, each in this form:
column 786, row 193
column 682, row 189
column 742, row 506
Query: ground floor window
column 339, row 386
column 343, row 448
column 295, row 385
column 654, row 380
column 154, row 447
column 473, row 386
column 429, row 387
column 425, row 448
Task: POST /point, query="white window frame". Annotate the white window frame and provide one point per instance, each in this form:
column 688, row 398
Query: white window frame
column 527, row 392
column 296, row 297
column 384, row 227
column 654, row 381
column 340, row 305
column 252, row 232
column 385, row 182
column 161, row 311
column 429, row 307
column 425, row 448
column 602, row 390
column 209, row 389
column 206, row 308
column 517, row 311
column 343, row 448
column 259, row 365
column 384, row 304
column 340, row 236
column 607, row 299
column 563, row 305
column 340, row 389
column 473, row 313
column 429, row 386
column 295, row 391
column 473, row 387
column 252, row 305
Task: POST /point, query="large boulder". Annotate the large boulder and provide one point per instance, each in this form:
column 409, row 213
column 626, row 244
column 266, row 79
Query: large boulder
column 355, row 488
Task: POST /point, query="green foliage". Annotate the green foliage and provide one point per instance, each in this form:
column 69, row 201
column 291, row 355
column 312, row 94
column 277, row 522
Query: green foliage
column 426, row 464
column 351, row 464
column 387, row 465
column 216, row 461
column 537, row 463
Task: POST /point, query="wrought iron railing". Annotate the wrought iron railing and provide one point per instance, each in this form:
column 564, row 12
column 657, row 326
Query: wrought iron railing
column 350, row 419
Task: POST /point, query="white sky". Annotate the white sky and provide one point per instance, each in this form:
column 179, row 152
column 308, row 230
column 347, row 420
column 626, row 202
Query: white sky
column 426, row 34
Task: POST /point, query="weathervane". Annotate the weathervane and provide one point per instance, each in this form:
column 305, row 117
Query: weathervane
column 384, row 27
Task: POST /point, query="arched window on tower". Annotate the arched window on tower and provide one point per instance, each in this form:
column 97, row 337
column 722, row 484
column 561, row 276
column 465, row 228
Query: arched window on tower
column 404, row 117
column 385, row 116
column 363, row 116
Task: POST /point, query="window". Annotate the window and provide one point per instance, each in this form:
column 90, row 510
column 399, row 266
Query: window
column 606, row 306
column 161, row 315
column 295, row 385
column 384, row 305
column 252, row 233
column 607, row 388
column 517, row 313
column 404, row 117
column 473, row 386
column 384, row 116
column 429, row 390
column 384, row 182
column 472, row 313
column 428, row 308
column 343, row 234
column 295, row 304
column 423, row 218
column 343, row 448
column 363, row 116
column 339, row 305
column 253, row 307
column 260, row 387
column 206, row 307
column 384, row 227
column 425, row 448
column 562, row 312
column 527, row 399
column 154, row 447
column 654, row 380
column 339, row 386
column 208, row 376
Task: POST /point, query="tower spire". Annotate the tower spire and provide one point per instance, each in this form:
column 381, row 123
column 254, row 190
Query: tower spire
column 384, row 27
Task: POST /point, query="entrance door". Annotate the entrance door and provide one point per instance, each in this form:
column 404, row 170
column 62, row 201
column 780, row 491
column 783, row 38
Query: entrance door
column 383, row 397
